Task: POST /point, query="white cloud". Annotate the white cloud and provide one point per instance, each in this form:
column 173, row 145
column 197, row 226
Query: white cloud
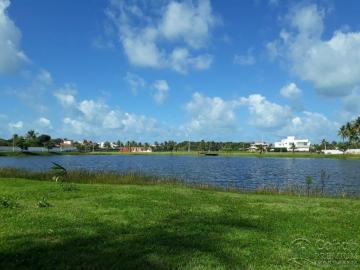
column 96, row 118
column 308, row 20
column 11, row 56
column 16, row 125
column 247, row 59
column 332, row 65
column 78, row 127
column 66, row 95
column 160, row 42
column 265, row 114
column 92, row 110
column 181, row 60
column 211, row 114
column 189, row 22
column 141, row 48
column 291, row 91
column 44, row 122
column 135, row 82
column 311, row 125
column 162, row 89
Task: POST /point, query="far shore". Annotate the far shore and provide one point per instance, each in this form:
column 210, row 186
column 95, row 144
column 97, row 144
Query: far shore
column 192, row 153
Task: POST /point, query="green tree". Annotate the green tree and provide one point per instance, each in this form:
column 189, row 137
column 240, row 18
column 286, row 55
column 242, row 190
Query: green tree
column 293, row 147
column 107, row 145
column 31, row 137
column 21, row 143
column 323, row 144
column 43, row 139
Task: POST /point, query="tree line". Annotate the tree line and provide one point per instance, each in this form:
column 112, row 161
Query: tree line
column 349, row 132
column 31, row 139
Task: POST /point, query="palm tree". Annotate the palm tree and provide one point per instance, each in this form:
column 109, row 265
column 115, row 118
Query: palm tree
column 31, row 134
column 350, row 132
column 357, row 129
column 324, row 142
column 293, row 147
column 342, row 132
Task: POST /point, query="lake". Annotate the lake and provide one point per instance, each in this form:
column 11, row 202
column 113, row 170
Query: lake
column 237, row 172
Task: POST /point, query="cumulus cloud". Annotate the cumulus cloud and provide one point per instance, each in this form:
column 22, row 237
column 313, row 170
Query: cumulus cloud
column 77, row 127
column 12, row 57
column 180, row 60
column 162, row 89
column 164, row 42
column 211, row 114
column 332, row 65
column 16, row 125
column 96, row 118
column 310, row 125
column 265, row 114
column 92, row 110
column 188, row 22
column 291, row 91
column 44, row 122
column 66, row 95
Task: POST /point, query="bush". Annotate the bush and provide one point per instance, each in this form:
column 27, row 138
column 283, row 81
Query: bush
column 7, row 202
column 43, row 203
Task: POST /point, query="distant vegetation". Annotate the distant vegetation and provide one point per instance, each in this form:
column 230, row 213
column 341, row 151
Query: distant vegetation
column 31, row 139
column 350, row 134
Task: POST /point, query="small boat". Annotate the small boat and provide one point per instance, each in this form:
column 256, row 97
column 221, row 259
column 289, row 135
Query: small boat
column 209, row 153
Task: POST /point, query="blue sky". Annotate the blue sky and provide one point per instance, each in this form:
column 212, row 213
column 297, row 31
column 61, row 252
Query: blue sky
column 159, row 70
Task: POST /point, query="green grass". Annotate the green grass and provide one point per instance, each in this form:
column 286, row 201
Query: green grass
column 170, row 226
column 25, row 154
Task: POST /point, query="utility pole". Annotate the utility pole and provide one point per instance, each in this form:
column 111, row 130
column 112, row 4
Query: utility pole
column 189, row 145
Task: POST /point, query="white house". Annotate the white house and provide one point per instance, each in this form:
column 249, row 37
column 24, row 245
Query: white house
column 332, row 152
column 301, row 145
column 352, row 151
column 112, row 145
column 256, row 146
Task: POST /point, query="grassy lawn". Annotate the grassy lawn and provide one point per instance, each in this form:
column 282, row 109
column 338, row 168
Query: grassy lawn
column 169, row 226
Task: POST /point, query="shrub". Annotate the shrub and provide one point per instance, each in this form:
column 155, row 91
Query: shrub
column 309, row 181
column 43, row 203
column 7, row 202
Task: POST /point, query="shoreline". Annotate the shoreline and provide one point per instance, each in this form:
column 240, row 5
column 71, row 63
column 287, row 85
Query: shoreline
column 192, row 154
column 143, row 179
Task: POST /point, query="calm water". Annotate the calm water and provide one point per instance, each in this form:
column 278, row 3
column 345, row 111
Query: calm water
column 240, row 172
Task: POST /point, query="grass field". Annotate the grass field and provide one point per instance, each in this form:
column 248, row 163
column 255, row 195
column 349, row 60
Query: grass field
column 49, row 225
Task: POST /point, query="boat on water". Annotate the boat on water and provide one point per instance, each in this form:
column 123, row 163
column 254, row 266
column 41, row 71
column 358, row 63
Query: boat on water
column 209, row 153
